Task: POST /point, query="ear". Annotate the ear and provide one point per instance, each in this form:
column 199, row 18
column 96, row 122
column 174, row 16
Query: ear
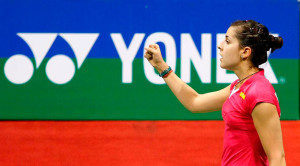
column 245, row 53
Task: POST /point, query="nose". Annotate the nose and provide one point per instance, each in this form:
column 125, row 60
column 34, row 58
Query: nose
column 220, row 45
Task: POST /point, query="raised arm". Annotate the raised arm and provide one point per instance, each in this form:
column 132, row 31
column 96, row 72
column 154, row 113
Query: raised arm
column 190, row 99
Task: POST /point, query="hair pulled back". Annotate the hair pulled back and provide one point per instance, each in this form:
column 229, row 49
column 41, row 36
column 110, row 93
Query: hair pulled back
column 256, row 36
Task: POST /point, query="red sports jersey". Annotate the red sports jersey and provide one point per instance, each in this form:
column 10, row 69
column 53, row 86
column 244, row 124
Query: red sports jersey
column 242, row 145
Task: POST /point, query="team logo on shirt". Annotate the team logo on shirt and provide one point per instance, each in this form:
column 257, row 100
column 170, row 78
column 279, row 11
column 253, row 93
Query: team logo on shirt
column 243, row 96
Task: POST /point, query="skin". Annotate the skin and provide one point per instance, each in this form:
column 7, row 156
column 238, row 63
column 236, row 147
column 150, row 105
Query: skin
column 237, row 59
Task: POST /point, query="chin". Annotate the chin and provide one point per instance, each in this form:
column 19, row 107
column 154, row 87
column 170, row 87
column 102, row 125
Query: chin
column 222, row 66
column 225, row 67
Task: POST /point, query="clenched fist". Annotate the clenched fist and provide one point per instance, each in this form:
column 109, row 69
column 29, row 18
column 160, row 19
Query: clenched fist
column 153, row 55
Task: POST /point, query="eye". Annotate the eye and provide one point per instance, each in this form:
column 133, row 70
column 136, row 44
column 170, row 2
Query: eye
column 227, row 41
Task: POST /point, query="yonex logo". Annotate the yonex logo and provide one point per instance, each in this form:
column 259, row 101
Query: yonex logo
column 60, row 69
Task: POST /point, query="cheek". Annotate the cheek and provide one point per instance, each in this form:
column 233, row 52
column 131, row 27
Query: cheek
column 232, row 51
column 231, row 56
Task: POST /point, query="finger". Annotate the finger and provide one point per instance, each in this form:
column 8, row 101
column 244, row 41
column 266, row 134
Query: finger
column 151, row 46
column 148, row 56
column 151, row 50
column 156, row 46
column 149, row 53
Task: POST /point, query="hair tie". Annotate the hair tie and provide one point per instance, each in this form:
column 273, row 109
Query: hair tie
column 251, row 30
column 260, row 30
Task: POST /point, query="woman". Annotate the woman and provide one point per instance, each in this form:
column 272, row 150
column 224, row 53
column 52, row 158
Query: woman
column 249, row 105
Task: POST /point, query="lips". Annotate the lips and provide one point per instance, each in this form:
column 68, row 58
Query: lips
column 221, row 58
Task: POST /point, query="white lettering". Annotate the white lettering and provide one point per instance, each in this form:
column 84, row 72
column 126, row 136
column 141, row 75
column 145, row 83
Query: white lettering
column 127, row 55
column 189, row 53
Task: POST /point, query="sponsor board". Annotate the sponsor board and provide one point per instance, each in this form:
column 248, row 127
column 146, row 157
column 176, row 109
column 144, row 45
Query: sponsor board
column 91, row 66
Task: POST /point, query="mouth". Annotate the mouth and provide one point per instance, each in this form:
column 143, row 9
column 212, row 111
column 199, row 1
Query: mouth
column 221, row 58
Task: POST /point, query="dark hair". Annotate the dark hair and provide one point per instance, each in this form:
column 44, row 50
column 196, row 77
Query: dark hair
column 256, row 36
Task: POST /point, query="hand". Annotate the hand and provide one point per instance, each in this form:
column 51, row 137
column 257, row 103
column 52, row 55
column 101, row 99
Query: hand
column 153, row 55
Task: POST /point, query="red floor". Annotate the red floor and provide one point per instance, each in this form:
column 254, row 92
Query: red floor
column 126, row 143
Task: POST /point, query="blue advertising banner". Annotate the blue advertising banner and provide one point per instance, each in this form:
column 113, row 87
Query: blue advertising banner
column 83, row 59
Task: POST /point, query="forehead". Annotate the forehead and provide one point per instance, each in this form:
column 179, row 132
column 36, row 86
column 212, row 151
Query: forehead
column 231, row 32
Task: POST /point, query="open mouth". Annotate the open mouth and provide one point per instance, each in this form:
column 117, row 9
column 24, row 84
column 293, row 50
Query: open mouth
column 221, row 58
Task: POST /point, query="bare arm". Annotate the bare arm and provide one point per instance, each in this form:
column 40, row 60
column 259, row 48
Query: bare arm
column 190, row 99
column 193, row 101
column 267, row 124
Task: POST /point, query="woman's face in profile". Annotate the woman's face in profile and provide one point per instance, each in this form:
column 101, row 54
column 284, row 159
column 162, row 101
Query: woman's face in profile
column 230, row 50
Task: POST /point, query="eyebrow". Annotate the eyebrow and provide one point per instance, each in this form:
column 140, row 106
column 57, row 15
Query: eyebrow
column 227, row 36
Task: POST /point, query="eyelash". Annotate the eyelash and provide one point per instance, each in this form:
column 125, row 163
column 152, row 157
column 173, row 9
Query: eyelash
column 226, row 41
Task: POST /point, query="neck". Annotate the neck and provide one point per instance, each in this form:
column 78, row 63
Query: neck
column 245, row 73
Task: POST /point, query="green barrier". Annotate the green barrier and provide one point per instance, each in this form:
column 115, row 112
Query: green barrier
column 96, row 92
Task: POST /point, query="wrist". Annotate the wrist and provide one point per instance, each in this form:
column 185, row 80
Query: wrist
column 162, row 67
column 166, row 73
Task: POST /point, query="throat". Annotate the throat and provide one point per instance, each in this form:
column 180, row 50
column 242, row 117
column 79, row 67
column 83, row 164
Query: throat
column 241, row 81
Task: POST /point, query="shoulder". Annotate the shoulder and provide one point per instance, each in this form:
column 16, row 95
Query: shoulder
column 261, row 86
column 261, row 91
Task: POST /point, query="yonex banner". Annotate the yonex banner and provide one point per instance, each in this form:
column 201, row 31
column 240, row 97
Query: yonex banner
column 84, row 59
